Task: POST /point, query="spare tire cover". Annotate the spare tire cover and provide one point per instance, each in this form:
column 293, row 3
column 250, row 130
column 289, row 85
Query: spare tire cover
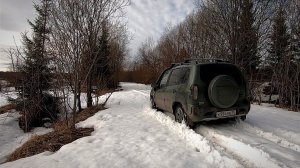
column 223, row 91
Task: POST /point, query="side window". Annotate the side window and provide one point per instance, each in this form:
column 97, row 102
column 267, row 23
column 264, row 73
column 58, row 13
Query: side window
column 164, row 78
column 179, row 76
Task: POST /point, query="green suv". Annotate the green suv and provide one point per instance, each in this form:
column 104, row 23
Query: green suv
column 201, row 90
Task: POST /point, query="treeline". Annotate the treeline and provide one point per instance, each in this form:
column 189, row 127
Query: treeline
column 76, row 46
column 261, row 37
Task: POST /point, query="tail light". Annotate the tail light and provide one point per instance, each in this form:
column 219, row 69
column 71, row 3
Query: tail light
column 194, row 90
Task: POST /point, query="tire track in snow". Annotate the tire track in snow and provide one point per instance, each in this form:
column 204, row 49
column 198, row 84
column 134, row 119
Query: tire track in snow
column 200, row 143
column 248, row 154
column 197, row 141
column 281, row 141
column 193, row 138
column 261, row 141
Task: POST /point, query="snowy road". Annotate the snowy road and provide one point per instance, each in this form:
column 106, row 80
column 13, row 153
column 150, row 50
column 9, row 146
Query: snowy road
column 131, row 134
column 263, row 139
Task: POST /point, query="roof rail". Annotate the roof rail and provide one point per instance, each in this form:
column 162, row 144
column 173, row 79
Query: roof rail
column 177, row 64
column 203, row 60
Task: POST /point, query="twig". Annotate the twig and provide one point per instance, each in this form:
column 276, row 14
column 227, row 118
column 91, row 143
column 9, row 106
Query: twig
column 107, row 99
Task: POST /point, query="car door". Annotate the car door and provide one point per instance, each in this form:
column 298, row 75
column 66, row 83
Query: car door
column 176, row 80
column 159, row 95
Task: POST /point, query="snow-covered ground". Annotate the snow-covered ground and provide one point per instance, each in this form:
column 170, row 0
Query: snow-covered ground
column 5, row 95
column 131, row 134
column 11, row 136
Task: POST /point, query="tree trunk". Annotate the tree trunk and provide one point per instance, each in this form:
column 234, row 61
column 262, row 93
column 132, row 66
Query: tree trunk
column 89, row 91
column 78, row 97
column 74, row 103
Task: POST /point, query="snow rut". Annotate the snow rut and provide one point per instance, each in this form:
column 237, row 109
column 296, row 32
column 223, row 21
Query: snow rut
column 241, row 154
column 250, row 156
column 281, row 141
column 197, row 141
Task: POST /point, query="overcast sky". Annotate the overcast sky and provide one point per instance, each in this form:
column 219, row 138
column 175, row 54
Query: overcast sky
column 146, row 19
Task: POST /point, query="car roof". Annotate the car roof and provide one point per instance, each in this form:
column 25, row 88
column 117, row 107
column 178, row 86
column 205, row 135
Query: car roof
column 191, row 62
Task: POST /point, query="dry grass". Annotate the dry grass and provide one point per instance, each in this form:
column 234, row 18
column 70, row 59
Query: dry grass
column 63, row 134
column 52, row 141
column 7, row 108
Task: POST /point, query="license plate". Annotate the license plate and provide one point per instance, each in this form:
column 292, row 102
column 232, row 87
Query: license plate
column 225, row 114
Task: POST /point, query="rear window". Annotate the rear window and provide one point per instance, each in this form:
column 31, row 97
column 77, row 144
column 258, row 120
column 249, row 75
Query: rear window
column 209, row 71
column 179, row 76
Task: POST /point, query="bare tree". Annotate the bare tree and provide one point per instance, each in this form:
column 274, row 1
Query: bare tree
column 76, row 28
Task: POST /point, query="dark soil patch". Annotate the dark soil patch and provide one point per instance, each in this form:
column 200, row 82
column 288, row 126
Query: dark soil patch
column 7, row 108
column 63, row 134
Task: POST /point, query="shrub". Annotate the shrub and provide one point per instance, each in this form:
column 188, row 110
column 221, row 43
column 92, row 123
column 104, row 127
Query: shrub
column 36, row 113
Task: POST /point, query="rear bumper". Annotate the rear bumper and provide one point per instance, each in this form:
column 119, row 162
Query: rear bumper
column 198, row 113
column 211, row 119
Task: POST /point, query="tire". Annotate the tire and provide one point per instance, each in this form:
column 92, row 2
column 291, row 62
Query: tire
column 223, row 91
column 153, row 105
column 243, row 118
column 238, row 119
column 180, row 117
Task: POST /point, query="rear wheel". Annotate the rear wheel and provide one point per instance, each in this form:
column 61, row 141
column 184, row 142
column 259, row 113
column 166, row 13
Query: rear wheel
column 243, row 118
column 180, row 116
column 238, row 119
